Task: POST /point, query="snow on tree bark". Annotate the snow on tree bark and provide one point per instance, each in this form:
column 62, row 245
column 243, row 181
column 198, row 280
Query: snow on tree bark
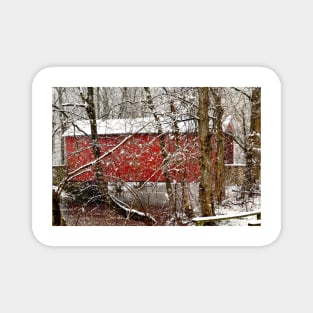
column 205, row 187
column 255, row 130
column 253, row 151
column 90, row 108
column 166, row 167
column 220, row 149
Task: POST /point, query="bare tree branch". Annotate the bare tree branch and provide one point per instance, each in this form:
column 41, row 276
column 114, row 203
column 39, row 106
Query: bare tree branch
column 241, row 91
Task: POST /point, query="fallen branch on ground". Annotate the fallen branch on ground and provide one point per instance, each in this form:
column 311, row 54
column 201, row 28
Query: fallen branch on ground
column 126, row 211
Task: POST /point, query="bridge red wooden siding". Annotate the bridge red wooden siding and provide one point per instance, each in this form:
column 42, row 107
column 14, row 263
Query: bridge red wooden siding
column 140, row 158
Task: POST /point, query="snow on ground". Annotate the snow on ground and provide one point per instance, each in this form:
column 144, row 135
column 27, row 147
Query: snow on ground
column 233, row 205
column 152, row 199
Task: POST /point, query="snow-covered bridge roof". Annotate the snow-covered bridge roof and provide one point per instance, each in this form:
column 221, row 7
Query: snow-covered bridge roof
column 135, row 125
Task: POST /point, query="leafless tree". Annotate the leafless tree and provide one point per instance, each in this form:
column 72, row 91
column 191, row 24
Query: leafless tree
column 206, row 166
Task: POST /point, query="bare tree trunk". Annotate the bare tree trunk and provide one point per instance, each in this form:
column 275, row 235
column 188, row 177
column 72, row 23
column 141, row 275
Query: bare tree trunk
column 255, row 131
column 98, row 108
column 205, row 188
column 220, row 150
column 166, row 167
column 102, row 185
column 253, row 150
column 57, row 219
column 251, row 144
column 180, row 164
column 60, row 97
column 105, row 109
column 123, row 106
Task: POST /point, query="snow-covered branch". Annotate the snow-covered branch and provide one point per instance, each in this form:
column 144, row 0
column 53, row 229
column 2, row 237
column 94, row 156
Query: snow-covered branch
column 106, row 154
column 82, row 168
column 133, row 214
column 74, row 105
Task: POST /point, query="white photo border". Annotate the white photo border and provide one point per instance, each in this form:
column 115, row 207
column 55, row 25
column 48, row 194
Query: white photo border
column 262, row 77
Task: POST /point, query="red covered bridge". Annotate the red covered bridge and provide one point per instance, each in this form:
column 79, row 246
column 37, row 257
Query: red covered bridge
column 140, row 158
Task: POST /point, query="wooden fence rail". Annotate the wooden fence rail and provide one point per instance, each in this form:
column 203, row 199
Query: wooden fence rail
column 200, row 221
